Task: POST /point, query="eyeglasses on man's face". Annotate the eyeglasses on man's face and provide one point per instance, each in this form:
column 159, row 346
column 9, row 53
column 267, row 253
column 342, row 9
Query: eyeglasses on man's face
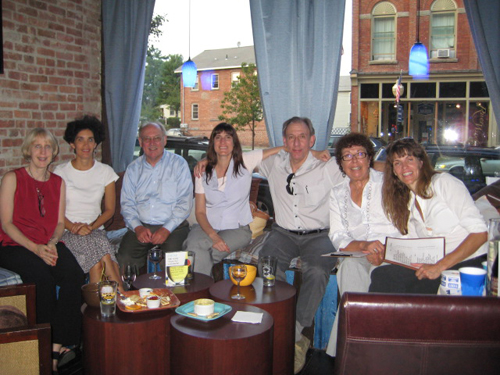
column 357, row 155
column 156, row 139
column 289, row 189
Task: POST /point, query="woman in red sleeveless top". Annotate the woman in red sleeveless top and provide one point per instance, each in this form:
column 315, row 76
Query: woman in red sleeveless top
column 32, row 217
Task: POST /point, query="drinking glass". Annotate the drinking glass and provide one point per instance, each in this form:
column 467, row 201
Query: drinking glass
column 155, row 256
column 129, row 274
column 239, row 272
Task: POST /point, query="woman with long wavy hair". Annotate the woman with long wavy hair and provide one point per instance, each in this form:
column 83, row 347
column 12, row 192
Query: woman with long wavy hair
column 422, row 203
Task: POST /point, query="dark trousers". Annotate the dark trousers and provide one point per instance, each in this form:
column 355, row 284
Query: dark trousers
column 135, row 252
column 399, row 279
column 63, row 312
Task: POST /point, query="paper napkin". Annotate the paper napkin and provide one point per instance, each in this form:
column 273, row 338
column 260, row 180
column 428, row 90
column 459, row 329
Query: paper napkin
column 247, row 317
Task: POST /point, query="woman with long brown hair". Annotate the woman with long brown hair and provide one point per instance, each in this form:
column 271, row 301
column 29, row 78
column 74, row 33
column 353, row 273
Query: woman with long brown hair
column 421, row 203
column 222, row 199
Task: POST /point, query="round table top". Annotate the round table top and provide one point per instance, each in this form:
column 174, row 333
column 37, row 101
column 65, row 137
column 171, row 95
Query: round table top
column 198, row 283
column 223, row 328
column 256, row 293
column 121, row 317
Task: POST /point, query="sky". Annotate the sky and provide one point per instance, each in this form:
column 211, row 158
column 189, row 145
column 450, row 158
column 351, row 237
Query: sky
column 219, row 24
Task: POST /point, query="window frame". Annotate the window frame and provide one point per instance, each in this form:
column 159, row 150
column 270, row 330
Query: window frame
column 193, row 111
column 384, row 11
column 439, row 8
column 214, row 84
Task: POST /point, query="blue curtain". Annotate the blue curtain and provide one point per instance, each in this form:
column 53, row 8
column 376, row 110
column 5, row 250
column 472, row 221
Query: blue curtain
column 125, row 25
column 298, row 46
column 484, row 21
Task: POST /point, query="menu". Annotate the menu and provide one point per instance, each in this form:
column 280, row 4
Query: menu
column 405, row 251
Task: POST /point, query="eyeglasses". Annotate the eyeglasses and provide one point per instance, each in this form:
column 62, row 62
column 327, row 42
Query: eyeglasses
column 289, row 189
column 357, row 155
column 41, row 203
column 156, row 139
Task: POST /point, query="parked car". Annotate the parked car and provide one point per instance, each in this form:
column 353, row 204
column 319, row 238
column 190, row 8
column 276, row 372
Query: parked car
column 470, row 164
column 178, row 132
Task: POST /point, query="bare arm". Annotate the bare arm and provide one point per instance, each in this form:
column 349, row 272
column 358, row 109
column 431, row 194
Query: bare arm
column 58, row 232
column 7, row 192
column 271, row 151
column 201, row 217
column 468, row 247
column 109, row 206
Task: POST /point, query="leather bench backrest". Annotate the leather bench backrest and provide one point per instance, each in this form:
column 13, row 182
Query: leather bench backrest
column 418, row 334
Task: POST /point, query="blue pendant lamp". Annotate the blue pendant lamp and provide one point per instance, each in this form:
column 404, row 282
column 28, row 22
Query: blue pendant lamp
column 189, row 67
column 419, row 59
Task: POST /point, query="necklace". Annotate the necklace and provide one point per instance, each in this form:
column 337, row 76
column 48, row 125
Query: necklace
column 41, row 198
column 344, row 220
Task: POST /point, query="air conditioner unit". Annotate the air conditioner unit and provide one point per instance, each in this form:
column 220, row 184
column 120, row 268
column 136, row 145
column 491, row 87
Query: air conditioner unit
column 443, row 53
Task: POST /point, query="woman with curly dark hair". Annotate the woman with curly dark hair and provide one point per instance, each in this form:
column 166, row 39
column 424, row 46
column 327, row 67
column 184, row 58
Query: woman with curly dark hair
column 424, row 203
column 87, row 181
column 357, row 220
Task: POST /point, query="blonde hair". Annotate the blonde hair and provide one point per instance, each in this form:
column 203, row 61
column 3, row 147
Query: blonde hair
column 30, row 138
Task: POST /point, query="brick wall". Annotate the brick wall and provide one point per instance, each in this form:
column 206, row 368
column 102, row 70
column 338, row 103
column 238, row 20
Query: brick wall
column 52, row 70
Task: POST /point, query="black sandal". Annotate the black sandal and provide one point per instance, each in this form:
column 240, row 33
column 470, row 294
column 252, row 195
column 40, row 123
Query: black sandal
column 67, row 356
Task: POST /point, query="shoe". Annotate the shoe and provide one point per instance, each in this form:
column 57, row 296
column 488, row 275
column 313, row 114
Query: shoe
column 68, row 355
column 301, row 348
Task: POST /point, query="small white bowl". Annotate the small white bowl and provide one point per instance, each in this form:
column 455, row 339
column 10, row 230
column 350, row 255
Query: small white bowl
column 204, row 307
column 144, row 292
column 153, row 302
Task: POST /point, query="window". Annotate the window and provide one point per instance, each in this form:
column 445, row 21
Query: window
column 196, row 85
column 194, row 112
column 215, row 81
column 384, row 32
column 172, row 113
column 235, row 78
column 443, row 22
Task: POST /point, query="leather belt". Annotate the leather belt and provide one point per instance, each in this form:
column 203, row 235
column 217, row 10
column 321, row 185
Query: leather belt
column 306, row 232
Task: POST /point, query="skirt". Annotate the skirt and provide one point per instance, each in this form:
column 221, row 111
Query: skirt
column 90, row 249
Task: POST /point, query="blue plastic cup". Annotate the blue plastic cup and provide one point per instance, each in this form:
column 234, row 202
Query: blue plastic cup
column 472, row 280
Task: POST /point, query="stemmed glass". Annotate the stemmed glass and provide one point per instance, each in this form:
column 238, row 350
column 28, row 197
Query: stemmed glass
column 238, row 272
column 155, row 256
column 129, row 274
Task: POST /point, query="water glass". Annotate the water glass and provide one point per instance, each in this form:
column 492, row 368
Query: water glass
column 267, row 269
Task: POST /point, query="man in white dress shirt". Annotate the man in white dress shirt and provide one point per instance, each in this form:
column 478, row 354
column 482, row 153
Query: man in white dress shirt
column 300, row 188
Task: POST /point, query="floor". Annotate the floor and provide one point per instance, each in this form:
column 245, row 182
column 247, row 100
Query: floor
column 317, row 363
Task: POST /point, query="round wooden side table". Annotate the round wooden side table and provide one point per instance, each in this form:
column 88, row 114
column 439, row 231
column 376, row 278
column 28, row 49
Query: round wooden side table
column 279, row 301
column 222, row 346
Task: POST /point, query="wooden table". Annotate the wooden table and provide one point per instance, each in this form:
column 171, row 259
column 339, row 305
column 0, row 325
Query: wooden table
column 221, row 346
column 135, row 343
column 279, row 301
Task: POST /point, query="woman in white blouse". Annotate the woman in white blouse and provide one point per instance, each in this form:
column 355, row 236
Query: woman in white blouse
column 424, row 203
column 357, row 220
column 222, row 199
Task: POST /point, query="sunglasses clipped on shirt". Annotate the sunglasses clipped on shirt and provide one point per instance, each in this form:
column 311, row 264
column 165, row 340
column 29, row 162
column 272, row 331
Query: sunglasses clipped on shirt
column 289, row 189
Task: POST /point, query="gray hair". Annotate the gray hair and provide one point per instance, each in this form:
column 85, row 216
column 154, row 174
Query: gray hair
column 303, row 120
column 159, row 126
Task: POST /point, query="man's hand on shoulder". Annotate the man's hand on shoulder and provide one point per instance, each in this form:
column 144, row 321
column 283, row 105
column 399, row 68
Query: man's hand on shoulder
column 160, row 236
column 143, row 234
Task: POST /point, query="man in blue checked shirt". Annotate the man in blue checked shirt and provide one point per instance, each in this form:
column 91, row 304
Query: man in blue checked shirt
column 156, row 199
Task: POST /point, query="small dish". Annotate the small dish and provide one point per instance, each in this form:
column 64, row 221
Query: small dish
column 187, row 310
column 144, row 292
column 153, row 302
column 204, row 307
